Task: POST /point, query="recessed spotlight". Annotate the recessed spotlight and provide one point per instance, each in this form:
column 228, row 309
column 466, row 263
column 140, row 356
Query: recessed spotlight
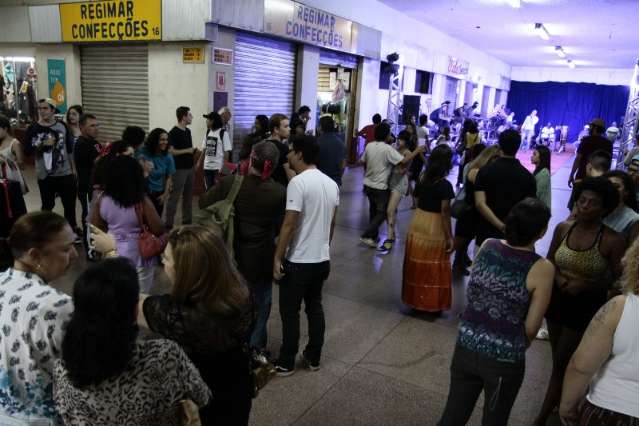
column 541, row 31
column 570, row 63
column 515, row 3
column 560, row 52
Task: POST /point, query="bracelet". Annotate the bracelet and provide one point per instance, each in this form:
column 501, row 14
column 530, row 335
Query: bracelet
column 111, row 253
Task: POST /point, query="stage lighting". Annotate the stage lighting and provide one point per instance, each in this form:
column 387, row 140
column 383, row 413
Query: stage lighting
column 541, row 31
column 570, row 63
column 560, row 52
column 393, row 57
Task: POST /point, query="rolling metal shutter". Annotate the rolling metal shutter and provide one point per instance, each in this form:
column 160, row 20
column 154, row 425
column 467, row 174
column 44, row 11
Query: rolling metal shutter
column 115, row 87
column 264, row 78
column 333, row 58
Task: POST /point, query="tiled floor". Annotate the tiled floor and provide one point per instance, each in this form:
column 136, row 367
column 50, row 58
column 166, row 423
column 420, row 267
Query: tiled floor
column 383, row 364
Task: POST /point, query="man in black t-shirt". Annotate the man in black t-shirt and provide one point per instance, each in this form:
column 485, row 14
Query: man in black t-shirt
column 499, row 186
column 588, row 145
column 181, row 147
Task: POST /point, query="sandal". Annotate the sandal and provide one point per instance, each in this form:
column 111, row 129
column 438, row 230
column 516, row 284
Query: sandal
column 387, row 245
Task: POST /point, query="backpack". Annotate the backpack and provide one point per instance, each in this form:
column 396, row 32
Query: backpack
column 220, row 216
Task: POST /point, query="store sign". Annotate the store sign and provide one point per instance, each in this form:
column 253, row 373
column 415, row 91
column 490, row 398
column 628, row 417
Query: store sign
column 296, row 21
column 57, row 83
column 193, row 55
column 111, row 20
column 457, row 66
column 222, row 56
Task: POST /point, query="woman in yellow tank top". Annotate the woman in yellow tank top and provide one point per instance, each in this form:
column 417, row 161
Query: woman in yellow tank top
column 587, row 256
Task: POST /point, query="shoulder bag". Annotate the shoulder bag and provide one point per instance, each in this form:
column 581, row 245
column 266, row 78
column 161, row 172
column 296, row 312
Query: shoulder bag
column 150, row 245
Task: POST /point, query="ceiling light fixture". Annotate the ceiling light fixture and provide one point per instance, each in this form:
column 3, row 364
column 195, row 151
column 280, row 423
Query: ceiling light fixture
column 515, row 3
column 541, row 31
column 570, row 63
column 560, row 52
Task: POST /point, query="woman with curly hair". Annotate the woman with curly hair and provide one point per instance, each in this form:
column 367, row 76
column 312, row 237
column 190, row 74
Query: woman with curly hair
column 604, row 366
column 156, row 151
column 587, row 255
column 116, row 212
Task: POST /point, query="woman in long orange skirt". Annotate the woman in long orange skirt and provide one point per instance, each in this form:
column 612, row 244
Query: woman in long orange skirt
column 429, row 243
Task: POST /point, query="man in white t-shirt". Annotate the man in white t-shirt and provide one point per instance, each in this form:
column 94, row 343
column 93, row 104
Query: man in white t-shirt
column 302, row 259
column 547, row 134
column 528, row 128
column 216, row 148
column 379, row 159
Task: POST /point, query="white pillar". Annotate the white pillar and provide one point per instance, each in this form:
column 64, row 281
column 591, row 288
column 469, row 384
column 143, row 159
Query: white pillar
column 306, row 81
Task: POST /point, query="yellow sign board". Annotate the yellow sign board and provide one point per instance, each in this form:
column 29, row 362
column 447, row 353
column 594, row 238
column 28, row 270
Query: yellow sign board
column 193, row 55
column 111, row 20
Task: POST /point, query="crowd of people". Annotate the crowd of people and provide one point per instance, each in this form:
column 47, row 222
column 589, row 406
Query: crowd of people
column 83, row 359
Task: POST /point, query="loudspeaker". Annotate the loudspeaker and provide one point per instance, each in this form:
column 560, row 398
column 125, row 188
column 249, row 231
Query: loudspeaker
column 410, row 107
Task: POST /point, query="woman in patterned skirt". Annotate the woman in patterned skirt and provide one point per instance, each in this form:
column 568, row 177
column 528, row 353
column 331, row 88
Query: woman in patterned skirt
column 427, row 272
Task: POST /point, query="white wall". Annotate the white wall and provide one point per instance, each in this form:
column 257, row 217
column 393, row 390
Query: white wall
column 308, row 60
column 607, row 76
column 173, row 83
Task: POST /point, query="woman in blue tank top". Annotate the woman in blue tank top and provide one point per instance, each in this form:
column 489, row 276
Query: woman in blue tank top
column 508, row 293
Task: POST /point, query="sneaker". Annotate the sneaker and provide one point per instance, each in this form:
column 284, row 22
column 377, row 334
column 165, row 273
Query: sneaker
column 369, row 242
column 282, row 371
column 313, row 366
column 542, row 334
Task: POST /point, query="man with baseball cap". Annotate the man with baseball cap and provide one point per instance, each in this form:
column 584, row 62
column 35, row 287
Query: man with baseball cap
column 594, row 142
column 52, row 143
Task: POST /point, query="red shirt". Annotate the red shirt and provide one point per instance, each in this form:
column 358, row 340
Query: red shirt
column 368, row 132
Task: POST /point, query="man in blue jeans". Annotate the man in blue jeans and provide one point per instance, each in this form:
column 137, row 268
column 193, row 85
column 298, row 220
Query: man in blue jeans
column 302, row 259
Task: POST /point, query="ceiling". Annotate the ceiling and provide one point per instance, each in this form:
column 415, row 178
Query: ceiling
column 593, row 33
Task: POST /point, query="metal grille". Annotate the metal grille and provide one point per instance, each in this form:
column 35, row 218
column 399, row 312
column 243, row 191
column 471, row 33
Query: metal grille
column 332, row 58
column 264, row 77
column 115, row 87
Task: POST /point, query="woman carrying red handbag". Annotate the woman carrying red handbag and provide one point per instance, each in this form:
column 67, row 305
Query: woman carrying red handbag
column 125, row 212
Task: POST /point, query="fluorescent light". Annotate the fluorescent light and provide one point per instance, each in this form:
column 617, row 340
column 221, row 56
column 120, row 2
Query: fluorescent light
column 17, row 59
column 560, row 52
column 570, row 63
column 515, row 3
column 541, row 31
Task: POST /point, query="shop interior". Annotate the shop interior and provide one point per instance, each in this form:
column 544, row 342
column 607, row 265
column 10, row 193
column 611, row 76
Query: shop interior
column 18, row 85
column 336, row 96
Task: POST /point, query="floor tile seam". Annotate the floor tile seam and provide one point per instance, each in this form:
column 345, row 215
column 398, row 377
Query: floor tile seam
column 350, row 368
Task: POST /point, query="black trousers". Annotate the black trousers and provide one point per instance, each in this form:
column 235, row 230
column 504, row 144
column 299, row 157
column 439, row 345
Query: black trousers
column 302, row 282
column 84, row 195
column 470, row 373
column 63, row 186
column 378, row 202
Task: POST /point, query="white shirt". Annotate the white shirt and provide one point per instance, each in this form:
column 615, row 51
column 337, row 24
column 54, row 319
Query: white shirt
column 380, row 159
column 213, row 149
column 33, row 320
column 547, row 132
column 315, row 196
column 616, row 386
column 530, row 122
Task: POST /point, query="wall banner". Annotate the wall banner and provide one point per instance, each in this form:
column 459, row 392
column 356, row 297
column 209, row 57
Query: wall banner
column 57, row 83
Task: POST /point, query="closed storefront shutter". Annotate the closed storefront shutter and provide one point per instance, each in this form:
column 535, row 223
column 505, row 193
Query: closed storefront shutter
column 115, row 87
column 332, row 58
column 264, row 78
